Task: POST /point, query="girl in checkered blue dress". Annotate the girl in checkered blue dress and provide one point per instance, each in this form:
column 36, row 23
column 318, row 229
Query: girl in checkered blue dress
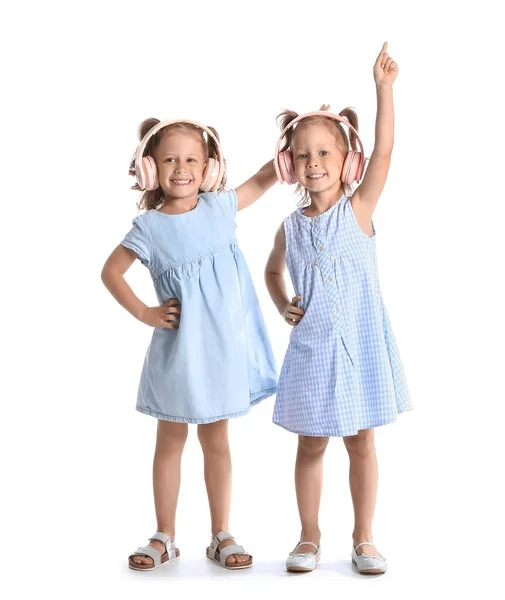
column 342, row 374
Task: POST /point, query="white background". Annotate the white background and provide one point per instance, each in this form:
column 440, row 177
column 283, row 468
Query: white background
column 76, row 456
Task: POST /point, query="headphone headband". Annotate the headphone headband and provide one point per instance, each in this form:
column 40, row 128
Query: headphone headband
column 154, row 130
column 316, row 113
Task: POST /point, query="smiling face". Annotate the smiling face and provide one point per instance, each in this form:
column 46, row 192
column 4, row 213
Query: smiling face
column 318, row 155
column 180, row 158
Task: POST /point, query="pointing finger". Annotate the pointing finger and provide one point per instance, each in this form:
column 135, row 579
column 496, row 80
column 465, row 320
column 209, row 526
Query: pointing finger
column 382, row 55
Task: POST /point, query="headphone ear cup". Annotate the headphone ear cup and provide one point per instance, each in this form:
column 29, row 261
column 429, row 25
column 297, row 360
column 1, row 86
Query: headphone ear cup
column 210, row 176
column 147, row 174
column 286, row 167
column 351, row 167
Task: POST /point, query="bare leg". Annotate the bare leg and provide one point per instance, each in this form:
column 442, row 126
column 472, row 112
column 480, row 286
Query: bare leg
column 309, row 486
column 217, row 468
column 170, row 441
column 363, row 477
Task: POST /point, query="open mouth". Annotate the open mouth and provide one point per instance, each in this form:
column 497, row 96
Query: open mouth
column 181, row 181
column 315, row 176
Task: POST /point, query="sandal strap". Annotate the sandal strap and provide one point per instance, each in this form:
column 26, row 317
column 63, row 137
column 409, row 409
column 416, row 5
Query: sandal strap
column 224, row 535
column 231, row 549
column 168, row 542
column 307, row 543
column 159, row 536
column 149, row 551
column 364, row 544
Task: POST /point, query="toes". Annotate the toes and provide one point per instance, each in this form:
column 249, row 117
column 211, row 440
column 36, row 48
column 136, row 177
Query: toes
column 238, row 559
column 141, row 560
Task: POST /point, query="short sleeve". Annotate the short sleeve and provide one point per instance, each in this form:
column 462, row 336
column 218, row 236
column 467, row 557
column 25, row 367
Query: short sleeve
column 138, row 240
column 227, row 201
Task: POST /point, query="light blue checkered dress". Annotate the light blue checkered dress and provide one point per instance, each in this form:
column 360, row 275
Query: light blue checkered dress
column 342, row 371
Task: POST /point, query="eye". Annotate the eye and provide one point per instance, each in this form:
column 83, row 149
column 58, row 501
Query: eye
column 191, row 159
column 302, row 156
column 323, row 153
column 170, row 159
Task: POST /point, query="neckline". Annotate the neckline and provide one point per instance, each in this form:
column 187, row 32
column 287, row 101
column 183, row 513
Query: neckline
column 188, row 212
column 322, row 215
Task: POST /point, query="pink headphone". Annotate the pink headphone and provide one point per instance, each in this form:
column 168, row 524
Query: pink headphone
column 147, row 173
column 354, row 163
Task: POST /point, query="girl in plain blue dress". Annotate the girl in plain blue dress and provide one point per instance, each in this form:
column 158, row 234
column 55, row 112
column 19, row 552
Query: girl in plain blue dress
column 342, row 374
column 210, row 358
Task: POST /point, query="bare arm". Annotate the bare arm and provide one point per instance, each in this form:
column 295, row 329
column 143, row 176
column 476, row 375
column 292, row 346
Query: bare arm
column 365, row 198
column 113, row 272
column 274, row 279
column 256, row 186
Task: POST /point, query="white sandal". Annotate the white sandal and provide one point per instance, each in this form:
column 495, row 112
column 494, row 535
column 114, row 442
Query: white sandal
column 303, row 561
column 366, row 563
column 159, row 559
column 220, row 556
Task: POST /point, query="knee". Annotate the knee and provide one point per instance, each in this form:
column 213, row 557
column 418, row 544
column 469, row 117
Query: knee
column 171, row 437
column 312, row 446
column 361, row 445
column 213, row 439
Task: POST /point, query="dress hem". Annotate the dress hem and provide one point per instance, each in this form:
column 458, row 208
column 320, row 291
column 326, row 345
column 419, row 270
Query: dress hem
column 259, row 397
column 355, row 432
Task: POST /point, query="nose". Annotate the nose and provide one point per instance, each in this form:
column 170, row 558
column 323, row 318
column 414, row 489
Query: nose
column 312, row 164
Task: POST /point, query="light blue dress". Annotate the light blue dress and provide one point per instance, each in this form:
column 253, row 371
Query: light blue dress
column 219, row 362
column 342, row 371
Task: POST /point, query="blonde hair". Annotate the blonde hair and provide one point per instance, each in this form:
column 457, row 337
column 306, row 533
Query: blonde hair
column 348, row 141
column 152, row 199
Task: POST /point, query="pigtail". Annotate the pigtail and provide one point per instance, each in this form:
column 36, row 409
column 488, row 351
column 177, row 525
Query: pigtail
column 283, row 120
column 143, row 128
column 211, row 144
column 213, row 153
column 350, row 115
column 150, row 198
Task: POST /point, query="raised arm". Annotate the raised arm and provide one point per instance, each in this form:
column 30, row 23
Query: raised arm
column 366, row 196
column 256, row 186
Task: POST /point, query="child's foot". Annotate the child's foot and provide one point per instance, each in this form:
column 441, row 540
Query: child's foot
column 304, row 548
column 234, row 559
column 161, row 550
column 366, row 549
column 367, row 558
column 304, row 557
column 220, row 550
column 312, row 535
column 147, row 560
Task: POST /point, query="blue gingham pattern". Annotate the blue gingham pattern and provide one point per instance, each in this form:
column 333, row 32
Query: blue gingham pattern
column 342, row 371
